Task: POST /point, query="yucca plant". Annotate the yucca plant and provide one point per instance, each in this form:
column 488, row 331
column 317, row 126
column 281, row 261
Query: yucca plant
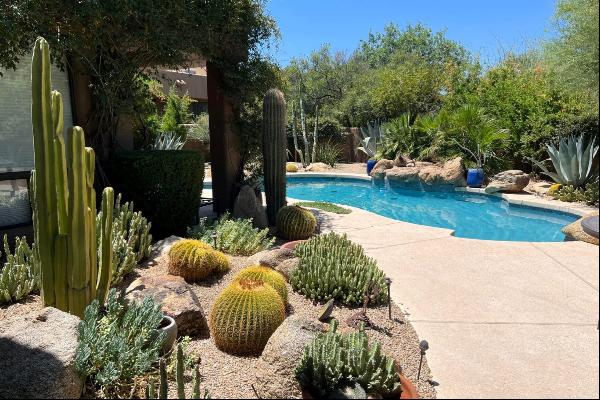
column 573, row 161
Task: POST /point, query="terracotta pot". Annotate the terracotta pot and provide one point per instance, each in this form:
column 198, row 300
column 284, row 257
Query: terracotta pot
column 169, row 326
column 409, row 391
column 292, row 245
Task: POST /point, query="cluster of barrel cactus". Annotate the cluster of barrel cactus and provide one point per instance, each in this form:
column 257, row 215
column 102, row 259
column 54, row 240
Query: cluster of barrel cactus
column 20, row 274
column 195, row 260
column 163, row 391
column 333, row 362
column 295, row 223
column 64, row 202
column 268, row 276
column 245, row 315
column 274, row 151
column 332, row 267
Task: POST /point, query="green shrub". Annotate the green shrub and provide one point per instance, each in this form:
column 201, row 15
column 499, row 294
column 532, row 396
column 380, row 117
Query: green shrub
column 119, row 342
column 329, row 153
column 571, row 194
column 164, row 185
column 332, row 267
column 20, row 274
column 295, row 223
column 200, row 129
column 333, row 361
column 237, row 237
column 132, row 241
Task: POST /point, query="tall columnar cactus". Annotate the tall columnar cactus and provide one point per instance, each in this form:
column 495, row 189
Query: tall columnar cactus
column 64, row 202
column 244, row 316
column 274, row 151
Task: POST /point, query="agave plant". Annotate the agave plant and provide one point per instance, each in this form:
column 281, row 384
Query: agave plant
column 167, row 141
column 371, row 136
column 573, row 161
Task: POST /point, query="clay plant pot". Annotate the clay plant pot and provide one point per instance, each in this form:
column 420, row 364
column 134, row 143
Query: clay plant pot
column 169, row 326
column 292, row 245
column 409, row 391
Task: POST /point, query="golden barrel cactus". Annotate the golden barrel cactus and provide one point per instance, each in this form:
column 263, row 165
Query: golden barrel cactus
column 295, row 223
column 194, row 260
column 244, row 316
column 268, row 276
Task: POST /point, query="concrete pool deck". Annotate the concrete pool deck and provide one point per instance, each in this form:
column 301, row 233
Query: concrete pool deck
column 503, row 319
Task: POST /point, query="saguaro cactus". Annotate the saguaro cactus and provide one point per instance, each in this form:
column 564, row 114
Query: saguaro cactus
column 64, row 202
column 274, row 152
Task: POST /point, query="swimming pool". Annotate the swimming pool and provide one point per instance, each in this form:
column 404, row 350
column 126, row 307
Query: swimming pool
column 474, row 216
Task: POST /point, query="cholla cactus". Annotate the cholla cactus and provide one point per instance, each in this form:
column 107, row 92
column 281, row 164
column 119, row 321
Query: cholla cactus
column 164, row 383
column 20, row 274
column 132, row 241
column 332, row 267
column 244, row 316
column 332, row 361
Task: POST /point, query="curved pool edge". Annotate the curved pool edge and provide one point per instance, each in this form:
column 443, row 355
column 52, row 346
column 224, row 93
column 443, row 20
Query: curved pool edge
column 520, row 199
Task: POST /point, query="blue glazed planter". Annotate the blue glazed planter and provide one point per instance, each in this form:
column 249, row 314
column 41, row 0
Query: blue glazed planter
column 475, row 178
column 370, row 165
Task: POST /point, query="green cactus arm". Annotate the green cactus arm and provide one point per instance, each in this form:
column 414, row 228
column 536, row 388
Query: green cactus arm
column 179, row 373
column 163, row 391
column 105, row 269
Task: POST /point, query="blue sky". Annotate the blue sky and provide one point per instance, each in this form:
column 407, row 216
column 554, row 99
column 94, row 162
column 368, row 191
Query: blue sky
column 485, row 27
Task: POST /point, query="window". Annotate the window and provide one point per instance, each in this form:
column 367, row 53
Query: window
column 15, row 209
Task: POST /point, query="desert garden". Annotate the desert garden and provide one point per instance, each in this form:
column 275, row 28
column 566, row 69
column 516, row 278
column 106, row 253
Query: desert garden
column 303, row 237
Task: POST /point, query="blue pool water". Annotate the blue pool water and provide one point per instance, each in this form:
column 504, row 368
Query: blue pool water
column 473, row 216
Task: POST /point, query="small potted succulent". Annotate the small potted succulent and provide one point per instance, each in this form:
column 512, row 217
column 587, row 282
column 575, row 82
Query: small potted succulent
column 345, row 365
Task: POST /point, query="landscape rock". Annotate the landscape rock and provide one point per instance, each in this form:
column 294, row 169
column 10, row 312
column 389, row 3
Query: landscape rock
column 378, row 171
column 247, row 205
column 511, row 181
column 37, row 356
column 575, row 232
column 318, row 167
column 162, row 247
column 271, row 258
column 275, row 370
column 452, row 172
column 177, row 300
column 539, row 188
column 286, row 267
column 403, row 161
column 403, row 174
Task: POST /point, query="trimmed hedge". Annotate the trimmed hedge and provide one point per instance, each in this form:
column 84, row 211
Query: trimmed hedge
column 165, row 186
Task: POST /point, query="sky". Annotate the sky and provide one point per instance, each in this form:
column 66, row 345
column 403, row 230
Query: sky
column 487, row 28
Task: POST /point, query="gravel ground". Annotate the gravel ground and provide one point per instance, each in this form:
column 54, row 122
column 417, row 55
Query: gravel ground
column 228, row 376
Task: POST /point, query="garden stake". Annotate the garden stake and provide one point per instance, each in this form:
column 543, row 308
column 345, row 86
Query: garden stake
column 388, row 282
column 424, row 346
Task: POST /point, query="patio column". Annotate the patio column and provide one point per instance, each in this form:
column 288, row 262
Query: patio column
column 224, row 142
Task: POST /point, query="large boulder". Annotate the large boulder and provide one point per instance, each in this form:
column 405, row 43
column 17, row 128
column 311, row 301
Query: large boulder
column 37, row 356
column 452, row 173
column 512, row 181
column 380, row 168
column 162, row 247
column 539, row 188
column 177, row 300
column 403, row 174
column 574, row 232
column 272, row 258
column 247, row 205
column 275, row 377
column 288, row 266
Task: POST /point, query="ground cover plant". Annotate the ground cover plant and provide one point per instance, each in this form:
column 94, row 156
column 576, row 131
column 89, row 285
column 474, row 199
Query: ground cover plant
column 325, row 206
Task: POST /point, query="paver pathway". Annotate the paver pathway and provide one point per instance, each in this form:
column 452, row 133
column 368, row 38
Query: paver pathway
column 503, row 319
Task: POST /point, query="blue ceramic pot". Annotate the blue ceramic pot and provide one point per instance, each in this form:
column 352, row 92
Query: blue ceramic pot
column 370, row 165
column 475, row 177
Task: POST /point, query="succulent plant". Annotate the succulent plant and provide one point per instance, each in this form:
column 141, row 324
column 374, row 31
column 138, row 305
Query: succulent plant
column 573, row 161
column 20, row 274
column 194, row 260
column 73, row 272
column 332, row 362
column 332, row 267
column 295, row 223
column 274, row 151
column 291, row 167
column 244, row 316
column 554, row 189
column 268, row 276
